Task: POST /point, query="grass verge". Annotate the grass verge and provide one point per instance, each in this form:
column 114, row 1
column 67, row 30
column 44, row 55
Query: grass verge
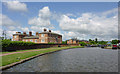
column 108, row 47
column 25, row 50
column 9, row 59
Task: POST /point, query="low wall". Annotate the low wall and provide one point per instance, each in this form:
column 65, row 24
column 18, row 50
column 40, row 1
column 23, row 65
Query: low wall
column 36, row 46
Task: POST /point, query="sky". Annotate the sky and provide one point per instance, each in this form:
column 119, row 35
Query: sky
column 81, row 20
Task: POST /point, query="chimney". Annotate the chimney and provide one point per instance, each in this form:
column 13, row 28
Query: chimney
column 24, row 33
column 36, row 33
column 49, row 30
column 18, row 32
column 45, row 30
column 30, row 33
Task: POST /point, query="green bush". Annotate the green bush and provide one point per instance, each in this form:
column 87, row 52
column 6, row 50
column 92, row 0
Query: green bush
column 102, row 42
column 8, row 43
column 114, row 41
column 64, row 42
column 83, row 43
column 51, row 43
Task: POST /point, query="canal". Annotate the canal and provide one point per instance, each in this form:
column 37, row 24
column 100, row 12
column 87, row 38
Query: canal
column 72, row 60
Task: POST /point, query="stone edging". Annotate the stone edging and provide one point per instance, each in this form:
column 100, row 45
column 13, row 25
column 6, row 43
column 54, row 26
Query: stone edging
column 27, row 59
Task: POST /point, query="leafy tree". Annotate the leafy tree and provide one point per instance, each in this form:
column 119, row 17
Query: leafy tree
column 102, row 42
column 93, row 41
column 64, row 42
column 83, row 43
column 96, row 40
column 90, row 40
column 114, row 41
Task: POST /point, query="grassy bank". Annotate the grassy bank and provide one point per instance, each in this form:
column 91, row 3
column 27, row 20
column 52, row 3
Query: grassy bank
column 108, row 47
column 9, row 59
column 27, row 50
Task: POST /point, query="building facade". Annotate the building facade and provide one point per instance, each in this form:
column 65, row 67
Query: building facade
column 72, row 41
column 76, row 41
column 44, row 37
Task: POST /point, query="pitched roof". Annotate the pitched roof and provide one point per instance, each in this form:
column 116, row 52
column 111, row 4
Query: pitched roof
column 76, row 40
column 18, row 34
column 49, row 33
column 73, row 39
column 31, row 37
column 21, row 34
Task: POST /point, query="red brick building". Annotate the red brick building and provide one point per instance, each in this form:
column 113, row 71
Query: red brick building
column 76, row 41
column 44, row 37
column 72, row 41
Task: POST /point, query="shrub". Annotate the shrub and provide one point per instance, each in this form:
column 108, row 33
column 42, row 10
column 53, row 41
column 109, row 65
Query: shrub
column 8, row 43
column 64, row 42
column 83, row 43
column 51, row 43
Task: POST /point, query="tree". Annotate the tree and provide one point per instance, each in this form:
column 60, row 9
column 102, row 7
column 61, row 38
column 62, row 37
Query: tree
column 1, row 38
column 83, row 43
column 90, row 40
column 103, row 42
column 93, row 42
column 64, row 42
column 96, row 40
column 114, row 41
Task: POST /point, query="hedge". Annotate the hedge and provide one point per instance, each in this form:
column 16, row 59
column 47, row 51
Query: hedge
column 8, row 43
column 51, row 43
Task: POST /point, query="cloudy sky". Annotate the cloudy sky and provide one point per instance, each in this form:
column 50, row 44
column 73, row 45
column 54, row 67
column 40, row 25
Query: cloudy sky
column 82, row 20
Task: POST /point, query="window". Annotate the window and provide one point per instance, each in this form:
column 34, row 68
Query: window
column 35, row 40
column 15, row 36
column 31, row 40
column 42, row 40
column 42, row 35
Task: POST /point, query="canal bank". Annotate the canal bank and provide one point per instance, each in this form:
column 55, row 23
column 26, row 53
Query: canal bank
column 18, row 58
column 72, row 60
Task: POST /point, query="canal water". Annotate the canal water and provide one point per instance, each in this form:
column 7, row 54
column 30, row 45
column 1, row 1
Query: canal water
column 72, row 60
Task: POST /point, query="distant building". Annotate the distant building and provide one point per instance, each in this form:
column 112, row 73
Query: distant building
column 44, row 37
column 76, row 41
column 84, row 41
column 72, row 41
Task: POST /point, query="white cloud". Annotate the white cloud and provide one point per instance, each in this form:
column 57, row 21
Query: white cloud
column 37, row 29
column 104, row 26
column 45, row 13
column 6, row 20
column 24, row 29
column 43, row 18
column 10, row 26
column 16, row 6
column 0, row 30
column 69, row 14
column 91, row 25
column 10, row 33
